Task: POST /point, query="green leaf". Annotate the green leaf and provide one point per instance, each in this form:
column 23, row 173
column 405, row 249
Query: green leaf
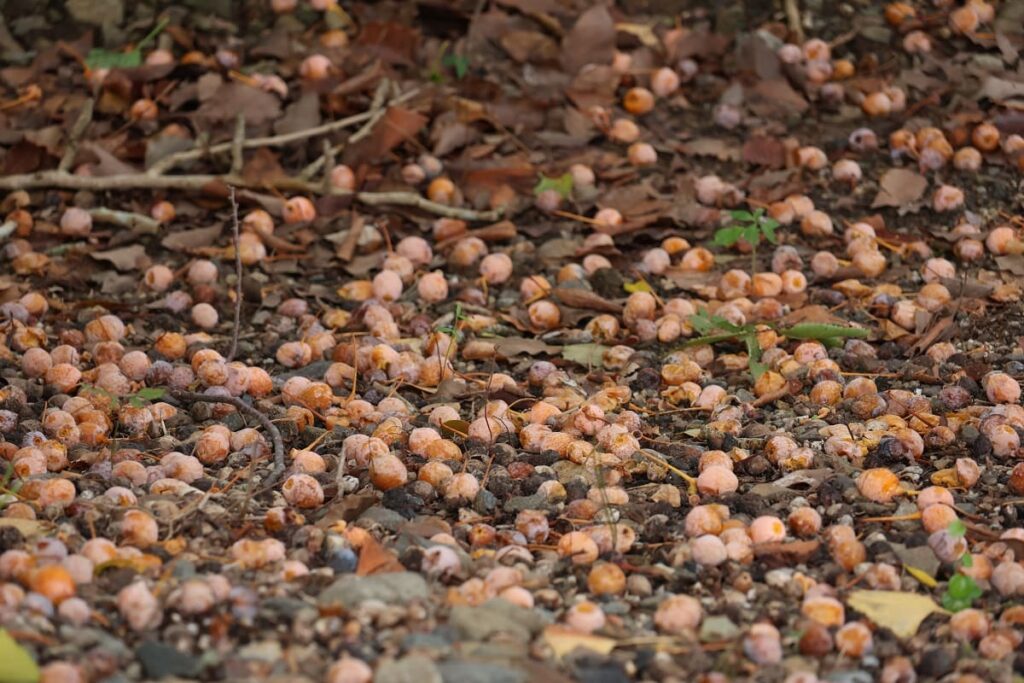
column 459, row 63
column 150, row 393
column 752, row 235
column 966, row 560
column 744, row 216
column 768, row 227
column 954, row 604
column 561, row 184
column 701, row 321
column 99, row 58
column 18, row 666
column 956, row 529
column 590, row 355
column 638, row 286
column 757, row 369
column 726, row 237
column 822, row 331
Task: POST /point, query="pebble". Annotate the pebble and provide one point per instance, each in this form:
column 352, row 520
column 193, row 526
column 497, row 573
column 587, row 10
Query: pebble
column 480, row 672
column 159, row 660
column 497, row 617
column 350, row 591
column 411, row 669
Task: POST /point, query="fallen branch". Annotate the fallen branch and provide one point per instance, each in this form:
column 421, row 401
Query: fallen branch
column 242, row 406
column 238, row 279
column 75, row 135
column 193, row 183
column 125, row 219
column 238, row 147
column 172, row 160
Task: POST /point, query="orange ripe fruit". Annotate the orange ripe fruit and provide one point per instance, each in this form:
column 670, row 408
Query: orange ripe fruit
column 638, row 101
column 52, row 581
column 441, row 190
column 898, row 12
column 985, row 137
column 879, row 485
column 298, row 210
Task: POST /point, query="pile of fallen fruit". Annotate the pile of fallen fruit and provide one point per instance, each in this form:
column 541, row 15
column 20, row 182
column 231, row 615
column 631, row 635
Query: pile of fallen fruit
column 524, row 340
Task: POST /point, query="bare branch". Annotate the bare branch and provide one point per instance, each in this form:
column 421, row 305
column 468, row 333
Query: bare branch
column 172, row 160
column 75, row 135
column 238, row 146
column 242, row 406
column 238, row 279
column 193, row 183
column 125, row 219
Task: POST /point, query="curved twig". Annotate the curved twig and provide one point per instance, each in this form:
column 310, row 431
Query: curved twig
column 265, row 422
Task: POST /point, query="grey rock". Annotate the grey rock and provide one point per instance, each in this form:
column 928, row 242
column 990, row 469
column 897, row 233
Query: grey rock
column 159, row 660
column 263, row 651
column 520, row 503
column 480, row 672
column 855, row 676
column 718, row 628
column 350, row 591
column 282, row 606
column 411, row 669
column 496, row 617
column 922, row 557
column 378, row 515
column 96, row 12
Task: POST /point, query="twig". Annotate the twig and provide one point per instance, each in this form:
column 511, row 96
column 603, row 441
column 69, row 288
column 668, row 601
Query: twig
column 242, row 406
column 793, row 19
column 124, row 219
column 376, row 111
column 238, row 276
column 237, row 148
column 137, row 181
column 172, row 160
column 328, row 158
column 75, row 135
column 7, row 229
column 348, row 246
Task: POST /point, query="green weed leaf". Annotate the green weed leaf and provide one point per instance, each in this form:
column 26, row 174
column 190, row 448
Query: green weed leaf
column 561, row 184
column 822, row 331
column 726, row 237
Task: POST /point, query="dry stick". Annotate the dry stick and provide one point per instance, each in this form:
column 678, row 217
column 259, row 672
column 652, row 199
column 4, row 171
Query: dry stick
column 378, row 108
column 377, row 111
column 75, row 135
column 237, row 149
column 142, row 181
column 125, row 219
column 239, row 404
column 238, row 277
column 172, row 160
column 793, row 19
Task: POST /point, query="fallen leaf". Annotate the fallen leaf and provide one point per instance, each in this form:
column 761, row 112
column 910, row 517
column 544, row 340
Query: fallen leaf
column 376, row 559
column 1013, row 263
column 898, row 611
column 396, row 126
column 232, row 99
column 456, row 428
column 123, row 258
column 642, row 32
column 26, row 527
column 191, row 239
column 18, row 665
column 347, row 509
column 529, row 46
column 723, row 150
column 589, row 355
column 590, row 41
column 764, row 151
column 563, row 640
column 302, row 115
column 921, row 575
column 1000, row 89
column 584, row 298
column 511, row 347
column 392, row 42
column 786, row 553
column 899, row 187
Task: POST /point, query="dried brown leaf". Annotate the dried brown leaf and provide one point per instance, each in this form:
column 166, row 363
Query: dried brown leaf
column 590, row 41
column 900, row 187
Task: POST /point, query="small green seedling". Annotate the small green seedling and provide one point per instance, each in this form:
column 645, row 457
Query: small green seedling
column 716, row 329
column 453, row 330
column 140, row 398
column 99, row 58
column 749, row 227
column 445, row 59
column 561, row 184
column 962, row 590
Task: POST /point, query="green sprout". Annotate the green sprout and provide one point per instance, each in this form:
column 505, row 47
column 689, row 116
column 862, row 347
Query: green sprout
column 716, row 329
column 962, row 590
column 749, row 227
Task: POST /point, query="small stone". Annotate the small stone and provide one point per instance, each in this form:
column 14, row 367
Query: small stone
column 937, row 662
column 159, row 660
column 378, row 515
column 718, row 628
column 411, row 669
column 351, row 591
column 480, row 672
column 496, row 617
column 96, row 12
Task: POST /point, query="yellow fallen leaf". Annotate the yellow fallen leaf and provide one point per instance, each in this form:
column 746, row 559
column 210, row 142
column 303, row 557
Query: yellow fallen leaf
column 898, row 611
column 562, row 641
column 921, row 575
column 642, row 32
column 27, row 527
column 18, row 667
column 638, row 286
